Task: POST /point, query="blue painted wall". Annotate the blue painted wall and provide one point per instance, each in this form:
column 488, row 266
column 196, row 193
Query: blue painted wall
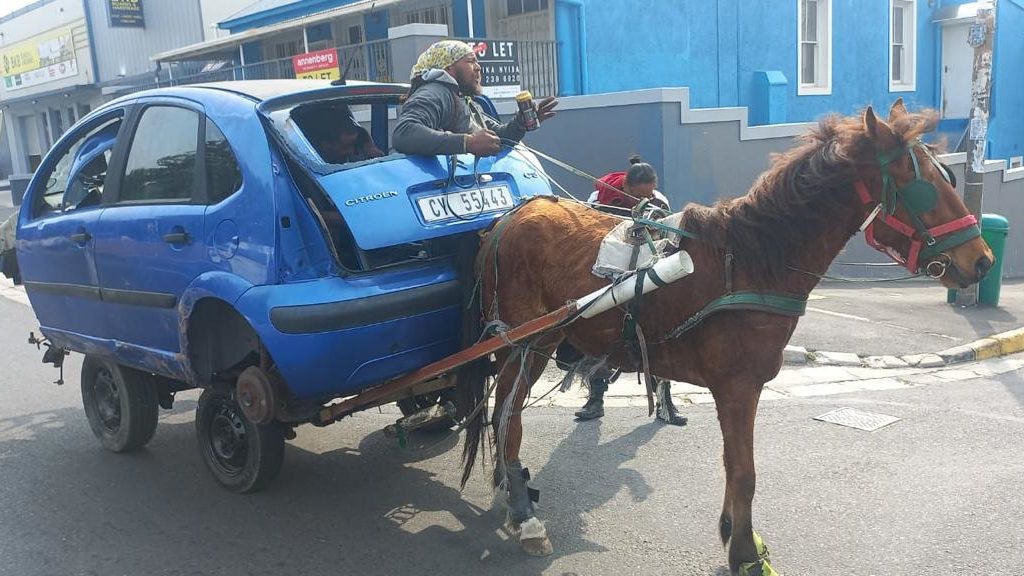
column 715, row 48
column 376, row 24
column 678, row 47
column 460, row 19
column 1006, row 120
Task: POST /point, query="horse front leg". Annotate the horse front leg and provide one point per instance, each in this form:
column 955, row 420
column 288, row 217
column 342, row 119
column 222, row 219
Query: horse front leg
column 737, row 408
column 514, row 383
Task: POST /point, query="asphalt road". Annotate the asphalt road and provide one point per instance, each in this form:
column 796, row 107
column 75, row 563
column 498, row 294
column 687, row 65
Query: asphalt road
column 898, row 318
column 935, row 493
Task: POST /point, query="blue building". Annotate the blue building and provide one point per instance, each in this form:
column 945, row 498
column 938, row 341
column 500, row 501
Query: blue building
column 784, row 60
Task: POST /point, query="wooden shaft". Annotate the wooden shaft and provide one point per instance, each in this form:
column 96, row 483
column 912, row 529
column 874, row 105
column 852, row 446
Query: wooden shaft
column 448, row 363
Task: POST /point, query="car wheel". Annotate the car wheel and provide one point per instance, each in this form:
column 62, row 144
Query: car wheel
column 410, row 406
column 120, row 403
column 243, row 457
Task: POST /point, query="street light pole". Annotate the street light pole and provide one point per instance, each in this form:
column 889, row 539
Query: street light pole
column 981, row 38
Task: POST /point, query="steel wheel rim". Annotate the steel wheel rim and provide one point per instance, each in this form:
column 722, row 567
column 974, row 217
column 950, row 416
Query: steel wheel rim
column 228, row 443
column 107, row 400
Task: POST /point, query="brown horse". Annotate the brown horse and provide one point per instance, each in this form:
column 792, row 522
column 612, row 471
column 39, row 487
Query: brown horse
column 781, row 235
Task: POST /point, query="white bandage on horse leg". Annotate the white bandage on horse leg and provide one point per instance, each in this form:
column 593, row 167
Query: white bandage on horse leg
column 532, row 528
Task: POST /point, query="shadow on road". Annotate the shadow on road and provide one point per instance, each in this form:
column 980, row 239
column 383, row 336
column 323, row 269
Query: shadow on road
column 351, row 503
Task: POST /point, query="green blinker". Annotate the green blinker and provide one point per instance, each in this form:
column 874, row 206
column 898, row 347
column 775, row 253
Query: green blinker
column 919, row 196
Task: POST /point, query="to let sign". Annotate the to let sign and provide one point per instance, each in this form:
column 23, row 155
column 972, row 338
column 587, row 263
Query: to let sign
column 126, row 13
column 499, row 67
column 319, row 65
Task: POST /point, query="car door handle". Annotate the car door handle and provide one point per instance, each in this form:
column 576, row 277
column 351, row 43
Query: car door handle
column 177, row 238
column 80, row 237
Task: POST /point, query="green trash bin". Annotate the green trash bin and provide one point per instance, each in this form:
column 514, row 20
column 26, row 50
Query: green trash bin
column 994, row 229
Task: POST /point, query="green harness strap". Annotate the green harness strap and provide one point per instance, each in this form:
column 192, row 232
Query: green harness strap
column 771, row 302
column 665, row 227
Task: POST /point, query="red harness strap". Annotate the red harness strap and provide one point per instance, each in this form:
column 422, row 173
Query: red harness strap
column 910, row 262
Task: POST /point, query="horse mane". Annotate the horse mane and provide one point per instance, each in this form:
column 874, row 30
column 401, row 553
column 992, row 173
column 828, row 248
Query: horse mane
column 805, row 191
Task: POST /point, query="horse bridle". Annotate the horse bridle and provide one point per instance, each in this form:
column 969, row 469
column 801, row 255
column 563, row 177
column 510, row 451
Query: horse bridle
column 917, row 197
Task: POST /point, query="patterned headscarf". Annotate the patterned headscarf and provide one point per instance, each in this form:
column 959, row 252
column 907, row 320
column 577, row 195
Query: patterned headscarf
column 440, row 55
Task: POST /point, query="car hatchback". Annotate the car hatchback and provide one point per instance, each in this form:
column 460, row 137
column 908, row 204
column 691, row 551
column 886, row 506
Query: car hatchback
column 197, row 237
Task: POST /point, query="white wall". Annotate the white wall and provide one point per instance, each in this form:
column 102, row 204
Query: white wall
column 50, row 16
column 217, row 10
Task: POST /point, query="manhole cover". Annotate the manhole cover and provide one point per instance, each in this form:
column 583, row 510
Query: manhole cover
column 857, row 419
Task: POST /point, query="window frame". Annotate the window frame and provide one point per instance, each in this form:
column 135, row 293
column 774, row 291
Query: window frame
column 123, row 150
column 77, row 136
column 909, row 67
column 204, row 123
column 823, row 67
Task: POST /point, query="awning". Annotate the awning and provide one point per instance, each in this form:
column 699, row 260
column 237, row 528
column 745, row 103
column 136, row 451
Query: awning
column 959, row 13
column 192, row 51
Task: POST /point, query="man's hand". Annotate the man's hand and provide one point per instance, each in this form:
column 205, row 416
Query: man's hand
column 372, row 151
column 546, row 108
column 483, row 143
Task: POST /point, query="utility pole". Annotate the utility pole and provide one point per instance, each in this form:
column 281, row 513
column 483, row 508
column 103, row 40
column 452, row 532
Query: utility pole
column 981, row 37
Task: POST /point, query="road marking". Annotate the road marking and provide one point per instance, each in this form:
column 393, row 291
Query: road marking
column 870, row 321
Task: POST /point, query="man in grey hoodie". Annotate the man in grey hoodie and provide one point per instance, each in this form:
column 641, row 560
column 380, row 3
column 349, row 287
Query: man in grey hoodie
column 439, row 115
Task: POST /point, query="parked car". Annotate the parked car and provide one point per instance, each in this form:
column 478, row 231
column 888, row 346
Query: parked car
column 195, row 237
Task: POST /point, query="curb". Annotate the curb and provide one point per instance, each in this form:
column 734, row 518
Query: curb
column 1001, row 344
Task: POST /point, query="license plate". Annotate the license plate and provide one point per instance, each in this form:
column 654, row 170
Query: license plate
column 465, row 203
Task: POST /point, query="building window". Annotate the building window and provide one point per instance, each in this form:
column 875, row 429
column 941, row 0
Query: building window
column 902, row 46
column 524, row 6
column 814, row 58
column 286, row 49
column 429, row 15
column 355, row 35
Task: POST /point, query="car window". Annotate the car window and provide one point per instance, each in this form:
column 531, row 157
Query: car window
column 223, row 176
column 162, row 160
column 78, row 178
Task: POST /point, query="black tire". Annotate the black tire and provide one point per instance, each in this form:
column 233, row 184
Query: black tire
column 120, row 403
column 242, row 456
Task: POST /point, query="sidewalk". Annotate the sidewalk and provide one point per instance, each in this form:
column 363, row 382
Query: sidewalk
column 867, row 336
column 898, row 319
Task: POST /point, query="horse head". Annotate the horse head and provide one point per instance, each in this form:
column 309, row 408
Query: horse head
column 913, row 211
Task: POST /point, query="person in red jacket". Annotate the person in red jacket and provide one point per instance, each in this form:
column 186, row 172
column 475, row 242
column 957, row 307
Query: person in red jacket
column 624, row 190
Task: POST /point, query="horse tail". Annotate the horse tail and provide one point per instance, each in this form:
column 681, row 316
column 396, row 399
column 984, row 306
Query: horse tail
column 471, row 378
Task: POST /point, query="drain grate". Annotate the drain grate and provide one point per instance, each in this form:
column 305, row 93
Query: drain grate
column 858, row 419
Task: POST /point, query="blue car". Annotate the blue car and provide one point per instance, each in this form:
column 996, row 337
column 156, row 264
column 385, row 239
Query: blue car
column 199, row 237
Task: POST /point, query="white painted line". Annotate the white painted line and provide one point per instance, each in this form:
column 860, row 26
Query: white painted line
column 840, row 315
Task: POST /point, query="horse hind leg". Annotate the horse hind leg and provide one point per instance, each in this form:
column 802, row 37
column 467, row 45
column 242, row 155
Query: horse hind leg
column 532, row 534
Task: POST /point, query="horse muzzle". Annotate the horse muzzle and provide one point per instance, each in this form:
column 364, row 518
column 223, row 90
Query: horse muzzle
column 944, row 269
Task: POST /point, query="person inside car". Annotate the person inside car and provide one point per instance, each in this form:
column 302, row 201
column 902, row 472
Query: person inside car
column 439, row 115
column 336, row 135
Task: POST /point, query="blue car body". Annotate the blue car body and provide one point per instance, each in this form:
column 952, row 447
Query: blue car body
column 340, row 272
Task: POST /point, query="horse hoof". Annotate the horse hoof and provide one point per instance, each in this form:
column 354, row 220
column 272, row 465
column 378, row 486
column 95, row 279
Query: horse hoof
column 537, row 546
column 533, row 538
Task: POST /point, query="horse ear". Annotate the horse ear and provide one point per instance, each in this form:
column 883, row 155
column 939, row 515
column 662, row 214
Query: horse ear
column 898, row 109
column 878, row 131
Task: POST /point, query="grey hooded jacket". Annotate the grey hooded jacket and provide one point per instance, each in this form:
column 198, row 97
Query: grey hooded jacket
column 435, row 119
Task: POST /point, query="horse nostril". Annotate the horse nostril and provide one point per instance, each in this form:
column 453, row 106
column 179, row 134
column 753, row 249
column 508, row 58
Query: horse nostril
column 982, row 266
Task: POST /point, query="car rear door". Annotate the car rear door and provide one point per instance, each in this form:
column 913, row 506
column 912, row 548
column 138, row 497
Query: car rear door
column 149, row 246
column 57, row 228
